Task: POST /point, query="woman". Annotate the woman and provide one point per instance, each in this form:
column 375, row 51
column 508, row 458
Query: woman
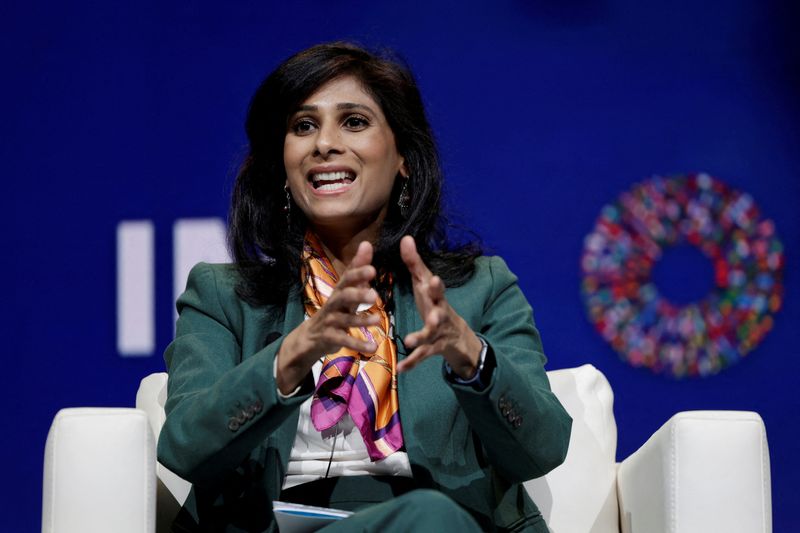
column 349, row 358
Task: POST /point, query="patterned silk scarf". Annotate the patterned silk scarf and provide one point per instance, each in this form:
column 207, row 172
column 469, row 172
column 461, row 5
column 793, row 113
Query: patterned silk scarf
column 363, row 385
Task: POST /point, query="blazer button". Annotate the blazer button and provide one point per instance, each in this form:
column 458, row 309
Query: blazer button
column 249, row 412
column 241, row 417
column 257, row 406
column 517, row 422
column 233, row 425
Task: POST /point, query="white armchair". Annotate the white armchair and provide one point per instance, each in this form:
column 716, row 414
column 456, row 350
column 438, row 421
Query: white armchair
column 703, row 471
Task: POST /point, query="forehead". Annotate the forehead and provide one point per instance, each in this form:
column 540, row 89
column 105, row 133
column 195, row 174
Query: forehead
column 345, row 89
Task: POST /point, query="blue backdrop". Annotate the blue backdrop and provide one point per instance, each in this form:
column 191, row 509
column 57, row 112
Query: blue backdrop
column 544, row 111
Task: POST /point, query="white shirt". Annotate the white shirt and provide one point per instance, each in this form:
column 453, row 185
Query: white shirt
column 338, row 451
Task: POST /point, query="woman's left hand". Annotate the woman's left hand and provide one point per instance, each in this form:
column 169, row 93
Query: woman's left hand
column 444, row 331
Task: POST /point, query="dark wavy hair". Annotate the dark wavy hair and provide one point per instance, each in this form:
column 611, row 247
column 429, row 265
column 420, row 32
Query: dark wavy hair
column 267, row 245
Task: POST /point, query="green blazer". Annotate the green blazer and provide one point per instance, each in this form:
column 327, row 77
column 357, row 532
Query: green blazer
column 229, row 433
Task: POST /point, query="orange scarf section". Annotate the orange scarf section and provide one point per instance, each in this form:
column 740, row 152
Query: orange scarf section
column 361, row 384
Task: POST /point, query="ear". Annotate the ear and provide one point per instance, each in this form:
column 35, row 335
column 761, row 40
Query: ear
column 403, row 171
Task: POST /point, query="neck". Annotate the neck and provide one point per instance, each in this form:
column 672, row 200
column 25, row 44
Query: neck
column 341, row 247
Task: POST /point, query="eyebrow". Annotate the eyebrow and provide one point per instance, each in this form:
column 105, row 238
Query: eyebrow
column 343, row 105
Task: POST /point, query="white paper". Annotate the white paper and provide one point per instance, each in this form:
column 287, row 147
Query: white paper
column 296, row 518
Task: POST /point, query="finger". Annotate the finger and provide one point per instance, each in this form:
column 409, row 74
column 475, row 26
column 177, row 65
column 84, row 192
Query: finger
column 432, row 327
column 357, row 276
column 413, row 340
column 436, row 289
column 414, row 358
column 363, row 255
column 359, row 271
column 434, row 319
column 336, row 339
column 428, row 334
column 408, row 252
column 349, row 298
column 344, row 320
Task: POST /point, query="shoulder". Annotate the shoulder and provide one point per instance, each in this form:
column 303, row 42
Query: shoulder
column 215, row 274
column 218, row 278
column 491, row 277
column 214, row 285
column 212, row 290
column 492, row 271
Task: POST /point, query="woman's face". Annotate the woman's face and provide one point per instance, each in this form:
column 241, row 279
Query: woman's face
column 341, row 159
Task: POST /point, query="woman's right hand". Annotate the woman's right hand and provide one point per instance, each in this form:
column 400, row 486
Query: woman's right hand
column 326, row 331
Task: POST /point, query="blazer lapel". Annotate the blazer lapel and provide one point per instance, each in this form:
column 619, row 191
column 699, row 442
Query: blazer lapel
column 406, row 318
column 421, row 389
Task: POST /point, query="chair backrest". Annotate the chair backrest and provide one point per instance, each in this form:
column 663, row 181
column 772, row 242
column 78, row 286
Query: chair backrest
column 579, row 495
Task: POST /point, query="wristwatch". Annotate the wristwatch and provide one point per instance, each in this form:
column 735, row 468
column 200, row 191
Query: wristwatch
column 475, row 381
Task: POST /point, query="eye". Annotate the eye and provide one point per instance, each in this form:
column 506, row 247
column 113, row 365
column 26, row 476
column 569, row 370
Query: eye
column 356, row 122
column 302, row 126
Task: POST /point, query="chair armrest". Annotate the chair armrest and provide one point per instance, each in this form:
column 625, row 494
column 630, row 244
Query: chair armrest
column 99, row 472
column 701, row 471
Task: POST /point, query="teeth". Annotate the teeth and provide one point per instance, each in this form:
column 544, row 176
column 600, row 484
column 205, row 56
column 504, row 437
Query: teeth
column 332, row 186
column 331, row 176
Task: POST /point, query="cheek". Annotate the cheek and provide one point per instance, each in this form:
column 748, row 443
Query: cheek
column 288, row 150
column 292, row 157
column 287, row 154
column 382, row 152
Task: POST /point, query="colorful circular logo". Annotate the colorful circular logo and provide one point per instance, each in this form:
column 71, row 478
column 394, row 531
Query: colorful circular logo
column 703, row 337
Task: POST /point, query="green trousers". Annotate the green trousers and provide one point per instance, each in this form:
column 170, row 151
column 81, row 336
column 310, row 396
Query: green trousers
column 384, row 504
column 420, row 510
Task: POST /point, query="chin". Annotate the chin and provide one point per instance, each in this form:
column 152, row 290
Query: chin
column 347, row 221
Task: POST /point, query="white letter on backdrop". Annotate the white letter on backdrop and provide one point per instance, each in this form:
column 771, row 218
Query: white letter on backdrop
column 135, row 288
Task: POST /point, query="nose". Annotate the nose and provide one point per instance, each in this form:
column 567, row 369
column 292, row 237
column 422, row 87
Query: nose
column 328, row 141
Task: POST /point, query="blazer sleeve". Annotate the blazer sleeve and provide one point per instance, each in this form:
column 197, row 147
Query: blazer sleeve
column 221, row 403
column 522, row 426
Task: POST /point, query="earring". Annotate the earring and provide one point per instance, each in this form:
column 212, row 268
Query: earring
column 287, row 209
column 404, row 200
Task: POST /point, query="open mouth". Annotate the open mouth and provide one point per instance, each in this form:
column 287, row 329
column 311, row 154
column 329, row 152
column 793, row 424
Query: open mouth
column 331, row 181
